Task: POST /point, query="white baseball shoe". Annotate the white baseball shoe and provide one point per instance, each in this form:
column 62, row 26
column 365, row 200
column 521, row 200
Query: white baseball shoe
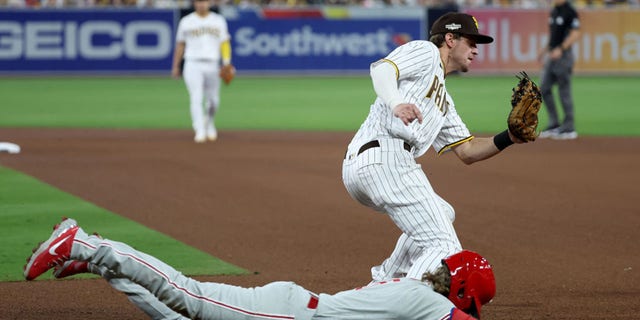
column 212, row 132
column 548, row 133
column 200, row 138
column 565, row 135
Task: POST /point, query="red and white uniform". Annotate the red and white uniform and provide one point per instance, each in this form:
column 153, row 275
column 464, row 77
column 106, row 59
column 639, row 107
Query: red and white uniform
column 388, row 179
column 202, row 37
column 173, row 295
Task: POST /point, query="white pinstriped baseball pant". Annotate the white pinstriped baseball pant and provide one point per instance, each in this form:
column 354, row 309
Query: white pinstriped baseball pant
column 388, row 179
column 191, row 298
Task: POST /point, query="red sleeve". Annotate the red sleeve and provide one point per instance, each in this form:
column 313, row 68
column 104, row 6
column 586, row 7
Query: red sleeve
column 457, row 314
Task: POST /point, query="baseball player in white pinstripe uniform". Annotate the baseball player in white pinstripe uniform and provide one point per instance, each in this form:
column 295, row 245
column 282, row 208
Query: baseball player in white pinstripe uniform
column 413, row 112
column 461, row 285
column 203, row 40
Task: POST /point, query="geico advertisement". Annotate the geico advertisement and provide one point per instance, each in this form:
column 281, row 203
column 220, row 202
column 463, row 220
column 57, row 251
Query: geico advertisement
column 83, row 40
column 609, row 40
column 316, row 44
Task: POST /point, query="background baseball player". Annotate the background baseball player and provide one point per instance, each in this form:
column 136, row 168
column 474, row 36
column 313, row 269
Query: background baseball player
column 468, row 285
column 564, row 30
column 414, row 111
column 203, row 40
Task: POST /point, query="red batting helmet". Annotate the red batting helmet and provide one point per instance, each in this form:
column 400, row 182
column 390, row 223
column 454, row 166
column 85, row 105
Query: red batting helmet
column 472, row 281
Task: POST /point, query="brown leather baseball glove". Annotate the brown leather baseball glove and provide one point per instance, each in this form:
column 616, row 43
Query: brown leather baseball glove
column 227, row 73
column 525, row 104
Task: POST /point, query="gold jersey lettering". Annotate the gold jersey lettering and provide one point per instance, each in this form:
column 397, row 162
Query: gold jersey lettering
column 204, row 30
column 438, row 94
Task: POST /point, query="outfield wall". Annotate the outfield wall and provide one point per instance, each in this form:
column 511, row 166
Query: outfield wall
column 319, row 40
column 609, row 43
column 76, row 41
column 312, row 40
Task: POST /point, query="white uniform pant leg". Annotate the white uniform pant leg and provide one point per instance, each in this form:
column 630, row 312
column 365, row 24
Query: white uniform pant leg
column 437, row 246
column 212, row 97
column 399, row 262
column 191, row 298
column 389, row 180
column 139, row 296
column 193, row 75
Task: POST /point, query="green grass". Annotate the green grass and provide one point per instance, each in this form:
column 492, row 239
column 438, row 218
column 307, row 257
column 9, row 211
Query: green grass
column 604, row 105
column 250, row 103
column 29, row 209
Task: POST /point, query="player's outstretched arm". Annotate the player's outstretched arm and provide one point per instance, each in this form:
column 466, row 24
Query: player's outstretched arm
column 522, row 123
column 478, row 149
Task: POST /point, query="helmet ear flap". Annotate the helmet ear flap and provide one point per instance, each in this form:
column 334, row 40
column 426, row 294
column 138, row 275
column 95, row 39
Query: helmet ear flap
column 481, row 286
column 474, row 310
column 458, row 293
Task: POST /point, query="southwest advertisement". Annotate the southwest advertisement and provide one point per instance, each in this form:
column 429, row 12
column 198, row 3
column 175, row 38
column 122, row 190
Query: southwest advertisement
column 288, row 42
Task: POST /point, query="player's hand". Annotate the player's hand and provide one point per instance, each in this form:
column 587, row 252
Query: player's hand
column 556, row 53
column 175, row 72
column 542, row 54
column 407, row 112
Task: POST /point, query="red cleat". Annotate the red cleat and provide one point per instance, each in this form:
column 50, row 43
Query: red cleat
column 70, row 268
column 54, row 251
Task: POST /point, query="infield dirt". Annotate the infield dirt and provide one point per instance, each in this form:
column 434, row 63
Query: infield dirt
column 559, row 220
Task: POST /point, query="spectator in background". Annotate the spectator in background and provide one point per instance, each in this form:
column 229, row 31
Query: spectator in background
column 13, row 3
column 54, row 3
column 564, row 30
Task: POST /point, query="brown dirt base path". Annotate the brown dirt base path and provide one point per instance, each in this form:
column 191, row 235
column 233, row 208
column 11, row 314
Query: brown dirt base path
column 559, row 220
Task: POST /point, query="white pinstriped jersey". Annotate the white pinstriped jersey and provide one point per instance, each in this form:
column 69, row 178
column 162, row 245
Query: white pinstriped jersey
column 421, row 81
column 202, row 36
column 388, row 179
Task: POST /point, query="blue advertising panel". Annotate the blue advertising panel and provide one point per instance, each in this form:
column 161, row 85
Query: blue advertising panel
column 296, row 44
column 130, row 40
column 86, row 40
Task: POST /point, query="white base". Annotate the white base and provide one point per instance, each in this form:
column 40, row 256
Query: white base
column 9, row 147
